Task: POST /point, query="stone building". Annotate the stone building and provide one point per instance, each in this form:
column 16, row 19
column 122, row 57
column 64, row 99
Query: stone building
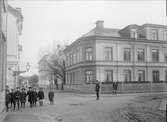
column 3, row 51
column 46, row 74
column 134, row 53
column 14, row 29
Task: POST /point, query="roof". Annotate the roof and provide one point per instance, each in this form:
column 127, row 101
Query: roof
column 15, row 12
column 103, row 32
column 43, row 58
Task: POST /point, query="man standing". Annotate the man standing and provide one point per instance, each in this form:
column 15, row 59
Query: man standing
column 7, row 101
column 35, row 96
column 41, row 96
column 17, row 95
column 23, row 98
column 30, row 96
column 51, row 96
column 97, row 89
column 12, row 101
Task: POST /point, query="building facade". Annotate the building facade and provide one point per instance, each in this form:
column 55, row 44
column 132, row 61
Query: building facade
column 3, row 51
column 14, row 29
column 46, row 74
column 134, row 53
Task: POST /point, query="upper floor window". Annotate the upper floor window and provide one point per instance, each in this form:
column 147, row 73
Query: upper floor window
column 127, row 54
column 89, row 54
column 74, row 58
column 165, row 56
column 155, row 55
column 89, row 76
column 140, row 54
column 109, row 75
column 133, row 34
column 108, row 53
column 165, row 35
column 154, row 34
column 71, row 59
column 77, row 55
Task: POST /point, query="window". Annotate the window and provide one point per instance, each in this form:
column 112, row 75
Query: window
column 127, row 74
column 133, row 34
column 155, row 55
column 108, row 53
column 74, row 58
column 165, row 56
column 89, row 54
column 140, row 55
column 165, row 35
column 141, row 75
column 71, row 59
column 67, row 61
column 77, row 55
column 109, row 75
column 89, row 76
column 127, row 54
column 155, row 75
column 166, row 76
column 154, row 34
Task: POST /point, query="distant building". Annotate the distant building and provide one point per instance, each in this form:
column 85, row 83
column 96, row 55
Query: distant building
column 134, row 53
column 3, row 51
column 46, row 74
column 14, row 29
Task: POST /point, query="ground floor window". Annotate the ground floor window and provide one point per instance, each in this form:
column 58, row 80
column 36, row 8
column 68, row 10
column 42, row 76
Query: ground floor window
column 127, row 75
column 109, row 76
column 155, row 75
column 141, row 75
column 89, row 76
column 166, row 75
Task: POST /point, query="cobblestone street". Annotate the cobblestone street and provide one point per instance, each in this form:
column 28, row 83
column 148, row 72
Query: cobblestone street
column 72, row 108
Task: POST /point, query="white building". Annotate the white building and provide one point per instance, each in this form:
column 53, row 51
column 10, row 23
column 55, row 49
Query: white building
column 134, row 53
column 14, row 29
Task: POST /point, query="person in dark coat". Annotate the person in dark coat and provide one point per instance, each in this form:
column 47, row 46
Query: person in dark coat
column 12, row 100
column 115, row 86
column 51, row 96
column 97, row 89
column 41, row 96
column 35, row 96
column 17, row 95
column 23, row 98
column 30, row 96
column 7, row 100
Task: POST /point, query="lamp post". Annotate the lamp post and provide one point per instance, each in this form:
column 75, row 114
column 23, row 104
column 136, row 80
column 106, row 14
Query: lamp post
column 17, row 73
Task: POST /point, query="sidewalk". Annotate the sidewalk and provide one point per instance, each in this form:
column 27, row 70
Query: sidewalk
column 3, row 115
column 76, row 93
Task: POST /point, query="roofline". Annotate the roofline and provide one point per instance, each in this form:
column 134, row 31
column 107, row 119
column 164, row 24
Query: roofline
column 154, row 25
column 15, row 12
column 43, row 58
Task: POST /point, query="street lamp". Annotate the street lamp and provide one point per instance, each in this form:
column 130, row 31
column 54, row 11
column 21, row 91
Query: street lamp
column 27, row 66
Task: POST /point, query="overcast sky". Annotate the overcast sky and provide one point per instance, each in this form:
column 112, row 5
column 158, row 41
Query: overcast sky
column 47, row 23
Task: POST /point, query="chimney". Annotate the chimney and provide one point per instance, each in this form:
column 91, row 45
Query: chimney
column 99, row 24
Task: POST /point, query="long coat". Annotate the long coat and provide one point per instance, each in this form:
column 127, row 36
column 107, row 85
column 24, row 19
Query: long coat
column 35, row 96
column 23, row 96
column 51, row 95
column 17, row 95
column 41, row 95
column 30, row 96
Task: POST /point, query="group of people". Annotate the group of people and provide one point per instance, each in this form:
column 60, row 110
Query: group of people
column 18, row 97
